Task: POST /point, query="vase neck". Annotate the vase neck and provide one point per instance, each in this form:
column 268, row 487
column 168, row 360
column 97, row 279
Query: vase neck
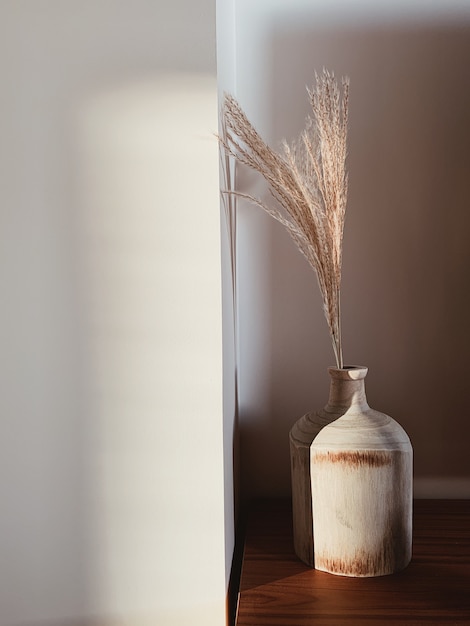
column 347, row 389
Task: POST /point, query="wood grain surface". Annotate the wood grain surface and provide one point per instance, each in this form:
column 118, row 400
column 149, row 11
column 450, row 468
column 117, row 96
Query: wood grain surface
column 278, row 589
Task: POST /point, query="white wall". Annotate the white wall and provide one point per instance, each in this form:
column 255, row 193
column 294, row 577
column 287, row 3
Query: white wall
column 226, row 76
column 116, row 507
column 406, row 260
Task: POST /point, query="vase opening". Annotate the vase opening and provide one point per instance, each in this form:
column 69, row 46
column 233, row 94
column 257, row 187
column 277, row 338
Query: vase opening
column 348, row 372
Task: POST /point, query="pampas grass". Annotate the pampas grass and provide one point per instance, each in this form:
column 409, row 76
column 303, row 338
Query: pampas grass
column 308, row 181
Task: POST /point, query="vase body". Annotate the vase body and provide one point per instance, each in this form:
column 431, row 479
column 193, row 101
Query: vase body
column 301, row 437
column 361, row 468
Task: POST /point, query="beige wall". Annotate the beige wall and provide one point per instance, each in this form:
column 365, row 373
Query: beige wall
column 406, row 255
column 114, row 503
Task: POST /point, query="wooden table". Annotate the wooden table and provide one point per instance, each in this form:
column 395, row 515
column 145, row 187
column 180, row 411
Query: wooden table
column 276, row 588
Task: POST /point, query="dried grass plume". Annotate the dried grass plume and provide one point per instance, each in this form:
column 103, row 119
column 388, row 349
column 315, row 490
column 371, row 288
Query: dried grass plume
column 309, row 181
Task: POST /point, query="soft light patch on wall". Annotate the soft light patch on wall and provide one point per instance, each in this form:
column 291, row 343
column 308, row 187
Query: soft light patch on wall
column 151, row 251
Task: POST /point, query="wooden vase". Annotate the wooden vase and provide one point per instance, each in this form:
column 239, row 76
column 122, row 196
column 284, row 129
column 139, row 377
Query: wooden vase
column 362, row 485
column 301, row 437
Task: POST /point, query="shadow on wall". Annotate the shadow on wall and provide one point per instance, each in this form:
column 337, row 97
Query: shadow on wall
column 406, row 255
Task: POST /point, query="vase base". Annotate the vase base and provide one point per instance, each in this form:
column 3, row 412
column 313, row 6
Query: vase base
column 357, row 568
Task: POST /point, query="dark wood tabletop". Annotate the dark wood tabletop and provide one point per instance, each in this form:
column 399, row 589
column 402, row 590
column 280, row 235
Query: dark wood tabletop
column 276, row 588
